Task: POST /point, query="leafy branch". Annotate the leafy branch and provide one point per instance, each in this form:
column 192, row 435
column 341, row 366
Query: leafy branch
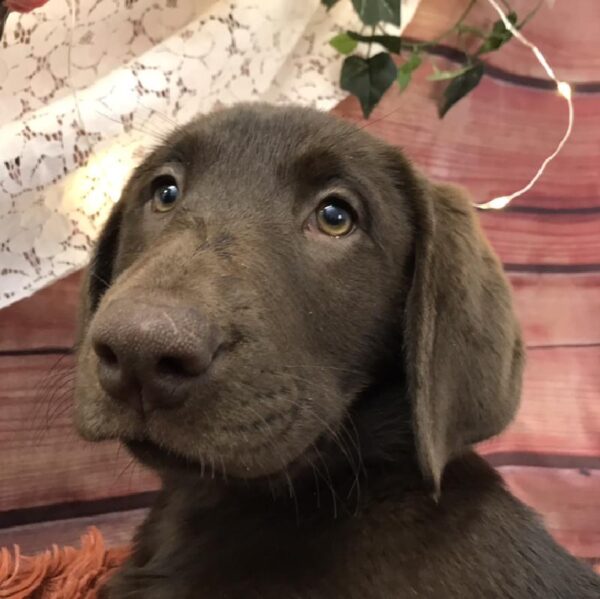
column 368, row 77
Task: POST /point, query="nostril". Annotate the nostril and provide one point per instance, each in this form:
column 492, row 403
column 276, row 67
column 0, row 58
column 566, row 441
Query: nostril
column 152, row 356
column 179, row 367
column 106, row 354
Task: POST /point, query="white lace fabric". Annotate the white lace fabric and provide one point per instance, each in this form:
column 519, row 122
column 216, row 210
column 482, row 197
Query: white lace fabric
column 88, row 86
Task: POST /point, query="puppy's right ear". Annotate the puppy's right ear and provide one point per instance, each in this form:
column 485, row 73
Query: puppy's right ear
column 99, row 273
column 463, row 348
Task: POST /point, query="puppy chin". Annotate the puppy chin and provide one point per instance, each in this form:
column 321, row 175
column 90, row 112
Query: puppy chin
column 269, row 461
column 251, row 463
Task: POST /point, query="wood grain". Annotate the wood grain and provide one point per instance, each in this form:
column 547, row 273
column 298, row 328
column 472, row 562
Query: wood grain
column 558, row 309
column 491, row 143
column 560, row 415
column 560, row 410
column 553, row 310
column 494, row 140
column 568, row 499
column 117, row 529
column 43, row 460
column 526, row 239
column 44, row 320
column 567, row 32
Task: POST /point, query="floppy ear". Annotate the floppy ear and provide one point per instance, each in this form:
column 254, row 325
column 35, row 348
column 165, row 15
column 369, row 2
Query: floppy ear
column 99, row 273
column 463, row 347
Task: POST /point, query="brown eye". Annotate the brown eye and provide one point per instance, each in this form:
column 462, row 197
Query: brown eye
column 165, row 193
column 335, row 218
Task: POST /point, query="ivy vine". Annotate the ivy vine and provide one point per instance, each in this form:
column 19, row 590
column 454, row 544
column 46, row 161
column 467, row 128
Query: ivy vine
column 368, row 76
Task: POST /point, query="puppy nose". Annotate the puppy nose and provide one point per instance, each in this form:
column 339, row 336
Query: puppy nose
column 151, row 355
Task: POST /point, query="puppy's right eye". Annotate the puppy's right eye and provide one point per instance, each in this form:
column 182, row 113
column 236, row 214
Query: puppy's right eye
column 335, row 218
column 165, row 193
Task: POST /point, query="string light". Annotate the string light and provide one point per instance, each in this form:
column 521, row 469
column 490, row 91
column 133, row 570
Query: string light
column 564, row 90
column 498, row 203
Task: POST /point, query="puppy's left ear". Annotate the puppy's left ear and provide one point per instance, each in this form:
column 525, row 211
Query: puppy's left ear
column 98, row 275
column 463, row 349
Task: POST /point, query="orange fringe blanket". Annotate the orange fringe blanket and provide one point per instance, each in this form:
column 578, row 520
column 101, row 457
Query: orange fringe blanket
column 60, row 573
column 66, row 573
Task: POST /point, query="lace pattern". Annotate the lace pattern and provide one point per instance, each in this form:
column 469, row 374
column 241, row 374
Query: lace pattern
column 88, row 86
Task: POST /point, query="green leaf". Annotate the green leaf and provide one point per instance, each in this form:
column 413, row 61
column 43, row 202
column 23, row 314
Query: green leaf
column 445, row 75
column 460, row 86
column 407, row 69
column 499, row 35
column 329, row 3
column 403, row 79
column 343, row 43
column 460, row 28
column 414, row 62
column 372, row 12
column 393, row 43
column 368, row 78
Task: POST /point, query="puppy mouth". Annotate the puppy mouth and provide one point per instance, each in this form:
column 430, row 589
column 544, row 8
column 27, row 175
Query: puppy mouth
column 274, row 442
column 161, row 458
column 231, row 466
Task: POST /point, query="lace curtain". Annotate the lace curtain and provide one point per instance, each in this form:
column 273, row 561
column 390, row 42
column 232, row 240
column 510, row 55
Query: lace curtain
column 88, row 86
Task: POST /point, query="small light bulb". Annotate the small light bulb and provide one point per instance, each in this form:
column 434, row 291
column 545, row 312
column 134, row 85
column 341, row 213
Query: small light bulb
column 496, row 204
column 564, row 89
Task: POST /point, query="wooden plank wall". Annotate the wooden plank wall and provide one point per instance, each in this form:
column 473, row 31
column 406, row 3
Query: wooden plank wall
column 53, row 485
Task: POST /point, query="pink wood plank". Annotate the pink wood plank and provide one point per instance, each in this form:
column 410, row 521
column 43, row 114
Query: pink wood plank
column 560, row 415
column 569, row 501
column 558, row 309
column 117, row 528
column 560, row 410
column 565, row 31
column 43, row 460
column 46, row 319
column 543, row 239
column 553, row 309
column 494, row 140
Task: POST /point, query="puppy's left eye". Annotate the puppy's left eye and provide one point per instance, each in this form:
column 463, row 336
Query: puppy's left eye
column 335, row 217
column 165, row 193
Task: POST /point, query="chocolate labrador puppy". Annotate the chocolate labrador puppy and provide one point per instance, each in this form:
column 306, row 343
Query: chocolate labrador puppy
column 304, row 337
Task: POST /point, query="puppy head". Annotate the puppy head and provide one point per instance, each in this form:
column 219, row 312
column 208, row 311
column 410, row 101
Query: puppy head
column 264, row 270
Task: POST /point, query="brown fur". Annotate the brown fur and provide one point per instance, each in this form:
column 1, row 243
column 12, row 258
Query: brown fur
column 313, row 430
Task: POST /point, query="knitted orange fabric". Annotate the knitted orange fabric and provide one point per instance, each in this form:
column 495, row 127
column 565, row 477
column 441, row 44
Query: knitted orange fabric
column 59, row 573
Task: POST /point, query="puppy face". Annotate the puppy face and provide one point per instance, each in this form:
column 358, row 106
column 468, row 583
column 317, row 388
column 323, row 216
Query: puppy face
column 246, row 291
